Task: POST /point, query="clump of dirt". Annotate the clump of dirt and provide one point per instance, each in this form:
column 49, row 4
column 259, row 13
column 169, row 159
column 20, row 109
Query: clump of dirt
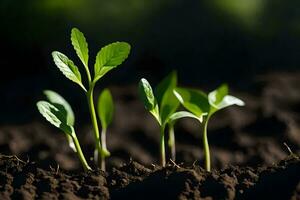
column 25, row 180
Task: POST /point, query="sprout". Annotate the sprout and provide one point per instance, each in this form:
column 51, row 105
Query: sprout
column 163, row 106
column 108, row 58
column 199, row 103
column 60, row 114
column 105, row 110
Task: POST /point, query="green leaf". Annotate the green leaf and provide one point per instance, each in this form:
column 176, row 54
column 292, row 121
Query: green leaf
column 110, row 57
column 58, row 101
column 193, row 100
column 168, row 103
column 55, row 116
column 216, row 96
column 169, row 82
column 183, row 114
column 105, row 108
column 67, row 67
column 147, row 96
column 80, row 45
column 220, row 99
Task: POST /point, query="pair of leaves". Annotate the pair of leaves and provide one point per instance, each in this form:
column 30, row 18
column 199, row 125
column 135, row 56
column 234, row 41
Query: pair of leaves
column 105, row 108
column 163, row 104
column 59, row 113
column 107, row 58
column 200, row 104
column 219, row 99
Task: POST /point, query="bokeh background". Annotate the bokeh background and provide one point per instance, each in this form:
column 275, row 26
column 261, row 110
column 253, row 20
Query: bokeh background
column 206, row 41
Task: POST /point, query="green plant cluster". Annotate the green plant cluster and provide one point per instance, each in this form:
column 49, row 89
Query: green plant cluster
column 167, row 103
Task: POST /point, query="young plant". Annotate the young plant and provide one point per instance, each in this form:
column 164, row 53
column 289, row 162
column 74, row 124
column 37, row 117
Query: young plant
column 163, row 106
column 105, row 112
column 197, row 102
column 59, row 113
column 108, row 58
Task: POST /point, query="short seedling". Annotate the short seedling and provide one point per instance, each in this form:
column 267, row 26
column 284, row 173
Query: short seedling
column 198, row 102
column 163, row 106
column 59, row 113
column 108, row 58
column 105, row 112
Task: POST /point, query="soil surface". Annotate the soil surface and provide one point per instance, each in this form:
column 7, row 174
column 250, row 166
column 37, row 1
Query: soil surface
column 249, row 155
column 25, row 180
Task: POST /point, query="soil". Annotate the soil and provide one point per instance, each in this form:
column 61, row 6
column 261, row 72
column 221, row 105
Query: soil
column 249, row 148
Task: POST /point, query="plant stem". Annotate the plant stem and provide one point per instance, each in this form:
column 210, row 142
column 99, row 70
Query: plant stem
column 104, row 152
column 85, row 165
column 98, row 147
column 162, row 147
column 88, row 73
column 171, row 142
column 206, row 146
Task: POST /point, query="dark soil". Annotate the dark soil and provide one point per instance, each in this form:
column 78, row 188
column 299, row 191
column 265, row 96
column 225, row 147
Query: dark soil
column 25, row 180
column 249, row 157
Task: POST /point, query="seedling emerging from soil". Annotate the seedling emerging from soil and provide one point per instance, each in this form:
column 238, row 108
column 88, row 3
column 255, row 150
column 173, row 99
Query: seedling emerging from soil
column 105, row 110
column 108, row 58
column 198, row 102
column 163, row 106
column 59, row 113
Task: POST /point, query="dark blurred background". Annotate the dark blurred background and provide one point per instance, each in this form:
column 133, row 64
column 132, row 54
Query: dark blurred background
column 206, row 41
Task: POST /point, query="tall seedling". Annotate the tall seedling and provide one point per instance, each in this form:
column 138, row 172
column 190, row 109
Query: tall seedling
column 198, row 102
column 163, row 106
column 108, row 58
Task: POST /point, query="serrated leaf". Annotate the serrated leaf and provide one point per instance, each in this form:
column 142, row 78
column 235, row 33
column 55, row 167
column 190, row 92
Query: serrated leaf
column 183, row 114
column 80, row 45
column 220, row 99
column 105, row 108
column 168, row 103
column 58, row 101
column 147, row 96
column 193, row 100
column 67, row 67
column 110, row 57
column 55, row 116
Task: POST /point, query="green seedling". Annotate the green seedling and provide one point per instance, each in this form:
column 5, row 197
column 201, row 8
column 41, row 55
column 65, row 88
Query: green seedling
column 59, row 113
column 108, row 58
column 105, row 110
column 163, row 106
column 198, row 103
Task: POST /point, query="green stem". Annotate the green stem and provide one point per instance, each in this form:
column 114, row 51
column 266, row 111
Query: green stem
column 88, row 73
column 206, row 146
column 104, row 152
column 95, row 123
column 85, row 165
column 162, row 147
column 171, row 142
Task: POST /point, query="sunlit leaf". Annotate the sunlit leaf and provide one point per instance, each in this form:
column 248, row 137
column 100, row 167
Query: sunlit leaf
column 193, row 100
column 67, row 67
column 110, row 57
column 80, row 45
column 183, row 114
column 147, row 96
column 55, row 116
column 58, row 101
column 168, row 103
column 220, row 99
